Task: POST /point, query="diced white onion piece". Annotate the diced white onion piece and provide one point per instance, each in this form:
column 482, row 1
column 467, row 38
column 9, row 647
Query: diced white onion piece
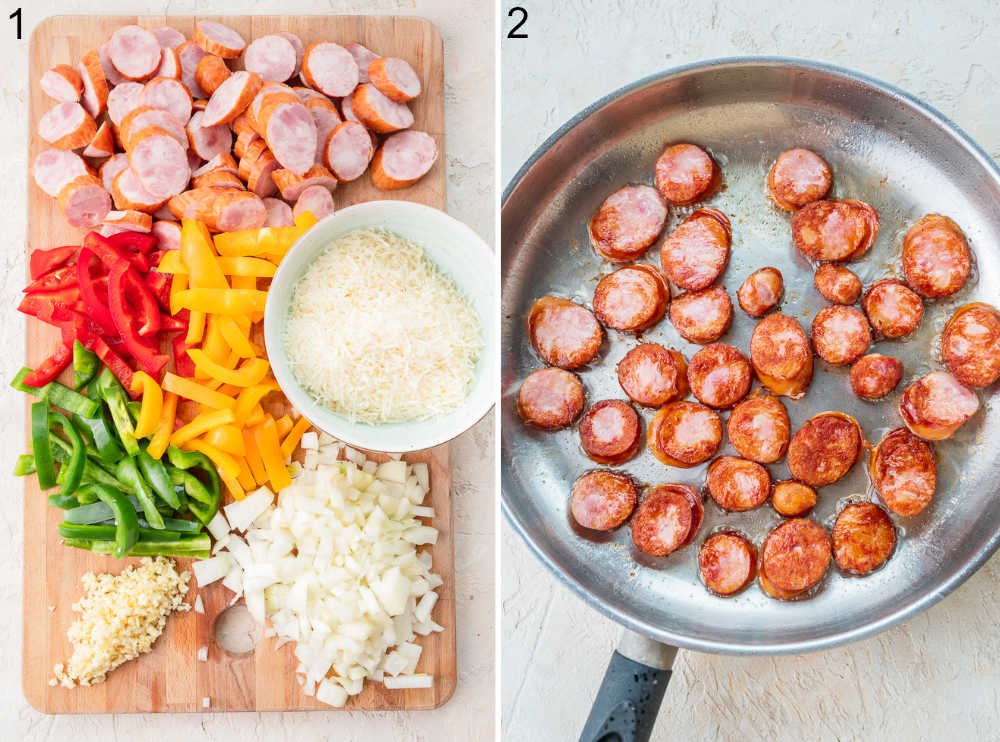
column 399, row 682
column 199, row 605
column 423, row 475
column 218, row 526
column 422, row 511
column 203, row 654
column 425, row 605
column 309, row 440
column 331, row 694
column 214, row 568
column 234, row 579
column 241, row 513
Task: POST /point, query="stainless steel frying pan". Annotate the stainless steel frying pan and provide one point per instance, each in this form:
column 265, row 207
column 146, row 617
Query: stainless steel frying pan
column 886, row 148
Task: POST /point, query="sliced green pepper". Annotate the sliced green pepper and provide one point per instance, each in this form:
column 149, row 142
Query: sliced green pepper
column 63, row 502
column 128, row 473
column 58, row 395
column 126, row 519
column 86, row 364
column 155, row 472
column 41, row 446
column 98, row 512
column 198, row 546
column 99, row 433
column 73, row 469
column 25, row 465
column 113, row 394
column 107, row 533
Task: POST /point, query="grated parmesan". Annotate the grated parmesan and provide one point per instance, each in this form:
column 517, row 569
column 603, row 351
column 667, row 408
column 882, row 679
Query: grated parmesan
column 377, row 333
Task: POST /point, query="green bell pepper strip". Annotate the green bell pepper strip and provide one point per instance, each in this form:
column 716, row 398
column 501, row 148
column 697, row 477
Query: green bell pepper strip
column 134, row 408
column 63, row 502
column 57, row 395
column 172, row 524
column 204, row 499
column 78, row 458
column 92, row 472
column 126, row 519
column 114, row 396
column 155, row 472
column 188, row 459
column 86, row 364
column 102, row 437
column 25, row 465
column 128, row 473
column 107, row 533
column 98, row 512
column 199, row 547
column 41, row 446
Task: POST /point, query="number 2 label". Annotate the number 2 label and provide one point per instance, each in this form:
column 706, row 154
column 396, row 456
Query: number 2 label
column 515, row 11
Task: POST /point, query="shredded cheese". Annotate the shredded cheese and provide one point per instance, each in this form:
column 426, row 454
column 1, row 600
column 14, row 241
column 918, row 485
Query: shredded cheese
column 377, row 333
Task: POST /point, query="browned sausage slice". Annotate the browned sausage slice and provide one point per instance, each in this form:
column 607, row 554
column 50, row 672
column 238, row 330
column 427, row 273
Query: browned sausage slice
column 652, row 376
column 696, row 252
column 702, row 316
column 796, row 555
column 628, row 222
column 936, row 405
column 904, row 472
column 727, row 563
column 610, row 432
column 719, row 375
column 863, row 538
column 825, row 448
column 684, row 434
column 632, row 298
column 792, row 499
column 874, row 376
column 840, row 334
column 697, row 510
column 892, row 308
column 970, row 344
column 663, row 521
column 737, row 484
column 834, row 231
column 603, row 500
column 798, row 177
column 563, row 333
column 780, row 355
column 550, row 398
column 837, row 284
column 761, row 292
column 773, row 590
column 935, row 258
column 685, row 173
column 759, row 429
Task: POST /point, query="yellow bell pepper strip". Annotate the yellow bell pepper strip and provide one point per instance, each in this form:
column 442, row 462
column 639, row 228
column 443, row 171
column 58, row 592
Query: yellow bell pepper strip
column 246, row 480
column 230, row 391
column 177, row 286
column 196, row 328
column 224, row 462
column 165, row 427
column 253, row 459
column 201, row 424
column 204, row 271
column 244, row 266
column 283, row 425
column 215, row 345
column 249, row 398
column 222, row 301
column 234, row 336
column 172, row 263
column 291, row 440
column 245, row 282
column 228, row 438
column 249, row 242
column 256, row 417
column 234, row 486
column 251, row 372
column 266, row 436
column 152, row 403
column 190, row 389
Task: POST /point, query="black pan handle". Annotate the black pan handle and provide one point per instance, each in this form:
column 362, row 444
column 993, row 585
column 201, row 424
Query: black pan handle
column 630, row 695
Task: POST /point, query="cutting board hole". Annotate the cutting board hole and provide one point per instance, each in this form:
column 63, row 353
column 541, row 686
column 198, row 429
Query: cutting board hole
column 236, row 631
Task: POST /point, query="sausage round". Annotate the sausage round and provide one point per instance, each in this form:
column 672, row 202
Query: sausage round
column 67, row 126
column 837, row 284
column 232, row 97
column 167, row 94
column 279, row 214
column 190, row 54
column 347, row 152
column 403, row 159
column 95, row 84
column 759, row 429
column 63, row 83
column 970, row 344
column 364, row 57
column 696, row 252
column 218, row 39
column 738, row 484
column 610, row 432
column 54, row 168
column 702, row 316
column 652, row 376
column 863, row 538
column 84, row 202
column 761, row 292
column 272, row 56
column 208, row 142
column 550, row 398
column 628, row 222
column 840, row 334
column 825, row 448
column 394, row 77
column 211, row 72
column 798, row 177
column 684, row 434
column 834, row 231
column 159, row 162
column 564, row 334
column 936, row 405
column 874, row 376
column 795, row 555
column 632, row 298
column 603, row 500
column 792, row 499
column 330, row 69
column 904, row 472
column 719, row 375
column 663, row 521
column 936, row 260
column 379, row 113
column 685, row 173
column 892, row 308
column 315, row 200
column 780, row 355
column 134, row 52
column 727, row 563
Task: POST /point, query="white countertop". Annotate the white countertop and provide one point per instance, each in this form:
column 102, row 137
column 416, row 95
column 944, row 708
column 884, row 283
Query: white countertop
column 937, row 675
column 466, row 26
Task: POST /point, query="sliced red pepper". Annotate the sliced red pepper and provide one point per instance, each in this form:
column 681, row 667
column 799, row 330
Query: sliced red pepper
column 145, row 354
column 135, row 293
column 156, row 257
column 52, row 367
column 159, row 285
column 109, row 254
column 182, row 361
column 172, row 324
column 115, row 363
column 94, row 293
column 43, row 261
column 77, row 326
column 60, row 278
column 38, row 304
column 138, row 241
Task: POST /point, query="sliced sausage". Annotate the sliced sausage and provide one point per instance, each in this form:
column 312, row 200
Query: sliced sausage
column 110, row 169
column 936, row 405
column 330, row 69
column 129, row 193
column 273, row 57
column 761, row 292
column 395, row 78
column 684, row 434
column 840, row 334
column 325, row 114
column 144, row 117
column 727, row 563
column 222, row 161
column 190, row 55
column 232, row 97
column 403, row 159
column 875, row 375
column 261, row 182
column 95, row 86
column 63, row 83
column 825, row 448
column 168, row 95
column 603, row 500
column 798, row 177
column 759, row 429
column 663, row 521
column 291, row 185
column 167, row 233
column 628, row 222
column 904, row 472
column 564, row 334
column 652, row 376
column 54, row 168
column 837, row 284
column 773, row 590
column 834, row 231
column 211, row 72
column 103, row 143
column 702, row 316
column 84, row 202
column 217, row 39
column 290, row 131
column 795, row 555
column 112, row 76
column 129, row 221
column 208, row 142
column 632, row 298
column 348, row 150
column 697, row 510
column 135, row 52
column 122, row 100
column 780, row 355
column 610, row 432
column 696, row 253
column 315, row 200
column 297, row 45
column 222, row 209
column 364, row 57
column 719, row 375
column 377, row 112
column 685, row 173
column 936, row 260
column 863, row 538
column 279, row 214
column 792, row 499
column 892, row 308
column 738, row 484
column 159, row 162
column 243, row 141
column 170, row 64
column 168, row 37
column 218, row 179
column 67, row 126
column 550, row 398
column 347, row 111
column 970, row 344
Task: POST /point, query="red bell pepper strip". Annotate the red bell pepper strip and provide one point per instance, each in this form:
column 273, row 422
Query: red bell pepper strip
column 182, row 361
column 138, row 241
column 159, row 285
column 124, row 280
column 43, row 261
column 60, row 278
column 115, row 363
column 109, row 254
column 94, row 293
column 51, row 368
column 146, row 355
column 79, row 327
column 39, row 303
column 172, row 324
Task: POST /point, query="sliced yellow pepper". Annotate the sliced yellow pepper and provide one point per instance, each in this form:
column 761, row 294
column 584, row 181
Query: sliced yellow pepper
column 249, row 242
column 291, row 440
column 246, row 267
column 228, row 438
column 225, row 462
column 215, row 347
column 165, row 427
column 244, row 282
column 236, row 338
column 196, row 327
column 204, row 271
column 249, row 398
column 251, row 372
column 283, row 425
column 230, row 391
column 246, row 480
column 172, row 263
column 190, row 389
column 266, row 436
column 235, row 488
column 254, row 461
column 177, row 287
column 222, row 301
column 152, row 403
column 256, row 417
column 201, row 424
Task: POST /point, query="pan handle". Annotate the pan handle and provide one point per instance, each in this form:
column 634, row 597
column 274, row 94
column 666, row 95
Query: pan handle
column 630, row 695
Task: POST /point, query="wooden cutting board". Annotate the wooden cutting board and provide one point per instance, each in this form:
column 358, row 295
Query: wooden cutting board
column 170, row 678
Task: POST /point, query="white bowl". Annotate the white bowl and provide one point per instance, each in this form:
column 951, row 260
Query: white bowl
column 459, row 253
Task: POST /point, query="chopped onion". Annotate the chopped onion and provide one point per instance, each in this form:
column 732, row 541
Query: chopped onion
column 241, row 513
column 218, row 526
column 309, row 441
column 399, row 682
column 203, row 654
column 199, row 605
column 207, row 571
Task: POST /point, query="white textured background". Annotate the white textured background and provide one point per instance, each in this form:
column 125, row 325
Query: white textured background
column 936, row 676
column 467, row 28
